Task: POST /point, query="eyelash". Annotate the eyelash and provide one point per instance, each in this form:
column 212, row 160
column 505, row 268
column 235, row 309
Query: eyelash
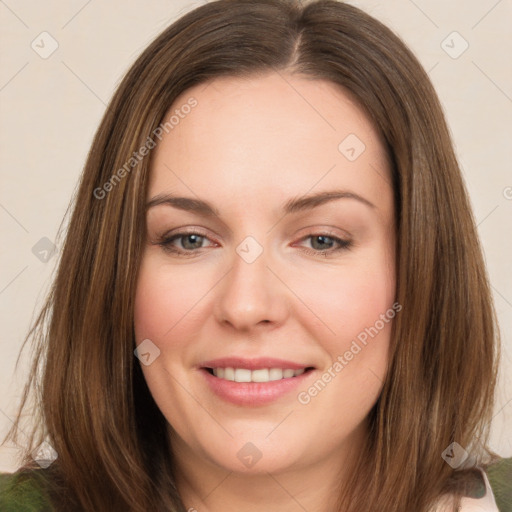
column 165, row 243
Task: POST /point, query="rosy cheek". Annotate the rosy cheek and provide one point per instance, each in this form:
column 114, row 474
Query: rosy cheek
column 165, row 301
column 345, row 305
column 156, row 306
column 348, row 299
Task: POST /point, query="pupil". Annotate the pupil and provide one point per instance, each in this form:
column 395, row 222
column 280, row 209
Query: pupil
column 322, row 238
column 192, row 237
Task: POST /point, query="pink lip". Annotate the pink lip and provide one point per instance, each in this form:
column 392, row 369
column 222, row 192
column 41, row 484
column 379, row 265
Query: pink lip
column 252, row 393
column 252, row 364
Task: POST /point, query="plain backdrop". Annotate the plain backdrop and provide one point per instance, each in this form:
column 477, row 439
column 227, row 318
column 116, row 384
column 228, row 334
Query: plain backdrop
column 60, row 62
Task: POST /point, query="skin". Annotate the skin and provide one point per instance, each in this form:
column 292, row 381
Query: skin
column 248, row 147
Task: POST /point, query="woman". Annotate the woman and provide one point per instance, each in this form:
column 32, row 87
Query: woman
column 271, row 294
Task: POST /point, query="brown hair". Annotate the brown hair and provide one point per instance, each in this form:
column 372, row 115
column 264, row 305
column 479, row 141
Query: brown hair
column 90, row 393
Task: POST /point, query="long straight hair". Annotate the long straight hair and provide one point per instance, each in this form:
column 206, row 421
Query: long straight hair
column 90, row 397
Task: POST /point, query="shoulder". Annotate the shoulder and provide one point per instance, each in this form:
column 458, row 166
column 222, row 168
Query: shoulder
column 483, row 501
column 500, row 479
column 23, row 491
column 486, row 491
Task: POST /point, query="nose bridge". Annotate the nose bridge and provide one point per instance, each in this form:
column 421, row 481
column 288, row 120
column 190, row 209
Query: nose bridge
column 250, row 293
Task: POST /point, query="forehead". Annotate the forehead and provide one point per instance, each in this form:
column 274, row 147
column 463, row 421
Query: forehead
column 271, row 136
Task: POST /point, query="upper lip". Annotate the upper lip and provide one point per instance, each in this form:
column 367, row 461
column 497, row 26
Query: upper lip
column 252, row 364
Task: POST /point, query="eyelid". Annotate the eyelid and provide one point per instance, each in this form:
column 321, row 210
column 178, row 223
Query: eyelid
column 184, row 232
column 344, row 244
column 165, row 241
column 319, row 230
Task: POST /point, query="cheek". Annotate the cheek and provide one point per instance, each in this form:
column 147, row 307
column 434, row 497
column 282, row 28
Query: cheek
column 356, row 302
column 164, row 313
column 358, row 307
column 164, row 300
column 349, row 299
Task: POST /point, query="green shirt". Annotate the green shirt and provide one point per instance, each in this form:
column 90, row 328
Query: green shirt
column 23, row 492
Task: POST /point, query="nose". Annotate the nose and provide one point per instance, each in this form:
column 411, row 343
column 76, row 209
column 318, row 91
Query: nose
column 251, row 294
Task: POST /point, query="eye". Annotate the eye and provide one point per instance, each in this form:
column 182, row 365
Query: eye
column 323, row 243
column 190, row 242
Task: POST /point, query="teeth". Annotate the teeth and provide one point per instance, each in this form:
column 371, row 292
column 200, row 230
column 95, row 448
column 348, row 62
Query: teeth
column 242, row 375
column 261, row 375
column 278, row 374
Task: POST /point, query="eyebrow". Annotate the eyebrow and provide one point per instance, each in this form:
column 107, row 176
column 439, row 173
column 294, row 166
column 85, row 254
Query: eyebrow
column 293, row 205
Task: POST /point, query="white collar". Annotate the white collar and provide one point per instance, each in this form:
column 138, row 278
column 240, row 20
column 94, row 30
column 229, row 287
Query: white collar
column 486, row 503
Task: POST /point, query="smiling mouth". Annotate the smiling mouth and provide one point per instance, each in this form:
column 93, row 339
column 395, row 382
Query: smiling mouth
column 259, row 375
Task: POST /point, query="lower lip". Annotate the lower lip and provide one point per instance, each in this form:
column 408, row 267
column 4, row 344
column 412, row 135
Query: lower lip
column 253, row 393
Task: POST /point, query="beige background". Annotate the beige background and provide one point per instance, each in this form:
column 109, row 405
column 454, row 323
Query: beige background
column 51, row 107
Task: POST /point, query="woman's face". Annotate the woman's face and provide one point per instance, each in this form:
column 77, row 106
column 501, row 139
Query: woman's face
column 276, row 275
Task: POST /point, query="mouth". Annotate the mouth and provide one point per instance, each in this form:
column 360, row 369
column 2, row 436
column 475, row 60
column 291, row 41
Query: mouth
column 259, row 375
column 254, row 382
